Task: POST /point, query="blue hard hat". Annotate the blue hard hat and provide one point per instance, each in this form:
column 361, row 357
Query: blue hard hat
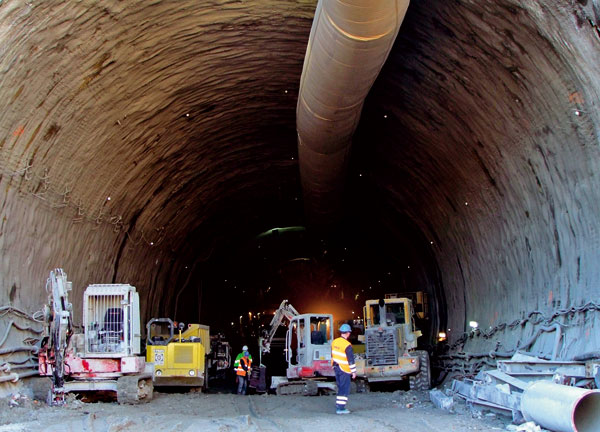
column 345, row 328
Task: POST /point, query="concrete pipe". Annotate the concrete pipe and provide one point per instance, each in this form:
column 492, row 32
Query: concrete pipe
column 562, row 408
column 349, row 43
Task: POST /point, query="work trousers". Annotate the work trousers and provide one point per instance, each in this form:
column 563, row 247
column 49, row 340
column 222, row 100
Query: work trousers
column 242, row 383
column 342, row 380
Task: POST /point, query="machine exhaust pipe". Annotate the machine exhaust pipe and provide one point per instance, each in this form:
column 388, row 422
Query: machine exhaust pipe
column 561, row 408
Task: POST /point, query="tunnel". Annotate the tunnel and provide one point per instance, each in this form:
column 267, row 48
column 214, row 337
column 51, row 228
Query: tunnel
column 155, row 144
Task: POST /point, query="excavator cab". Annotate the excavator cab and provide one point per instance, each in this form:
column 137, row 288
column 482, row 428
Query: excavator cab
column 308, row 343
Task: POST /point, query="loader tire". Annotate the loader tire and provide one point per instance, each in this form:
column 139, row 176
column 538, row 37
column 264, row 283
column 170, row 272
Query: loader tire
column 134, row 389
column 362, row 386
column 421, row 380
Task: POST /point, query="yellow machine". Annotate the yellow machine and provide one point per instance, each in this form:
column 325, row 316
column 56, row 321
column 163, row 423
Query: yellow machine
column 390, row 344
column 178, row 355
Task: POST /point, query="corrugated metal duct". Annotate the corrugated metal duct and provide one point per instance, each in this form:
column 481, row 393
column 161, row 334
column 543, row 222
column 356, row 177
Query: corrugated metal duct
column 349, row 43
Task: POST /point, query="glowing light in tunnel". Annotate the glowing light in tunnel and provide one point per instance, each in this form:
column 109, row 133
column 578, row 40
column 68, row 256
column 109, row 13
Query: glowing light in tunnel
column 473, row 324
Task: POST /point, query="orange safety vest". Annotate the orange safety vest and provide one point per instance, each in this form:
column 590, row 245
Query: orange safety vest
column 240, row 369
column 338, row 354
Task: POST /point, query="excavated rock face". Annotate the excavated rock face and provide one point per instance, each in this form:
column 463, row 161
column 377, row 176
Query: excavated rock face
column 137, row 138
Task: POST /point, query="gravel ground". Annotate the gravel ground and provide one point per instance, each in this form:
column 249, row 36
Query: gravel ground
column 225, row 412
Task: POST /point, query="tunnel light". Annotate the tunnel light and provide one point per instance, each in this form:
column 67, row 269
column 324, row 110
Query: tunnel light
column 187, row 114
column 285, row 91
column 108, row 199
column 232, row 323
column 466, row 203
column 385, row 116
column 441, row 336
column 473, row 324
column 577, row 112
column 407, row 266
column 352, row 312
column 431, row 242
column 151, row 243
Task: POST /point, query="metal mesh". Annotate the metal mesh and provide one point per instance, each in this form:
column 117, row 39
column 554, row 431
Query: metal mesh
column 381, row 347
column 105, row 324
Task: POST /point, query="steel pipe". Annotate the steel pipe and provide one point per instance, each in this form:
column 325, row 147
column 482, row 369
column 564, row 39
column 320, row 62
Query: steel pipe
column 14, row 377
column 349, row 43
column 561, row 408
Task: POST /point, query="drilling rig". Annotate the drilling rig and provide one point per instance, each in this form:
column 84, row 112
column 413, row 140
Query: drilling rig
column 106, row 356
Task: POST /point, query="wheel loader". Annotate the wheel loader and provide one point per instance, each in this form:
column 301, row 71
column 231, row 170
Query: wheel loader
column 390, row 345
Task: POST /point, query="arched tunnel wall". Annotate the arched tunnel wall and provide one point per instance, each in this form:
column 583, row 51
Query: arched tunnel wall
column 482, row 130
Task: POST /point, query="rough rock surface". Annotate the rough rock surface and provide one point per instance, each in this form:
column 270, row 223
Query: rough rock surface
column 136, row 136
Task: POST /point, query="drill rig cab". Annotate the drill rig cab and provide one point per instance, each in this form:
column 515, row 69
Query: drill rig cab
column 106, row 356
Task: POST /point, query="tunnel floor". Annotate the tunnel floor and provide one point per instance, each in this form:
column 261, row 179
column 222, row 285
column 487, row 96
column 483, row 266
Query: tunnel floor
column 383, row 411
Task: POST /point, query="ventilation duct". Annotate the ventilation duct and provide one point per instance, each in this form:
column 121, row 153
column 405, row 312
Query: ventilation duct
column 349, row 43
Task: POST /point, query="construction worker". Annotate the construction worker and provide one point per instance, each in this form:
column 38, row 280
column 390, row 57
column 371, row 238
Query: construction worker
column 342, row 358
column 236, row 364
column 243, row 367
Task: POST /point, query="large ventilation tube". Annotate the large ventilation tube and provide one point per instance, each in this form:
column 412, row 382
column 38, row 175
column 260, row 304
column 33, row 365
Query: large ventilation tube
column 349, row 43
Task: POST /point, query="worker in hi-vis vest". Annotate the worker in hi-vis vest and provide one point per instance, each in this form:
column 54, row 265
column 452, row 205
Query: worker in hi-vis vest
column 342, row 358
column 243, row 367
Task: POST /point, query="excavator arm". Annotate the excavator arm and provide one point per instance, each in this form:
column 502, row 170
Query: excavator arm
column 285, row 311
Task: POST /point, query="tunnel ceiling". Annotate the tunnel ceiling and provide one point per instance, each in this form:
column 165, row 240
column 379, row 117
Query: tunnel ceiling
column 139, row 141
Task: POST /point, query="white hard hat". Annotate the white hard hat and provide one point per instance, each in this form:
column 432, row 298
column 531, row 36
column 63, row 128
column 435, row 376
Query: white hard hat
column 245, row 348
